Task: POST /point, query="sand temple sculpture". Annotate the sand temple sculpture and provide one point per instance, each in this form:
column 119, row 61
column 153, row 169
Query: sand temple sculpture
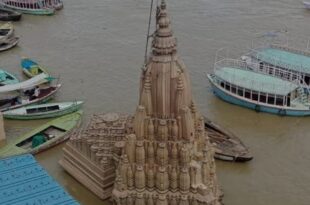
column 159, row 156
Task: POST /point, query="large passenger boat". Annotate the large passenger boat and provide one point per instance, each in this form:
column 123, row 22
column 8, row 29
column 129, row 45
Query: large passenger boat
column 35, row 7
column 238, row 83
column 282, row 57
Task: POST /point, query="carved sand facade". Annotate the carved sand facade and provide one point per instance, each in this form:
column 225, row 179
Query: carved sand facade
column 160, row 156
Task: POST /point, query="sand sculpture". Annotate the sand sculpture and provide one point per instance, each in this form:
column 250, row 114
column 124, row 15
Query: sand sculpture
column 161, row 155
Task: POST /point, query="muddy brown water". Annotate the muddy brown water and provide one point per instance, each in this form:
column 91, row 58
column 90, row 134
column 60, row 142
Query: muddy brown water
column 96, row 48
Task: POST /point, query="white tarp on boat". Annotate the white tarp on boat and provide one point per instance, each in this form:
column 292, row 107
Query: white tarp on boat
column 32, row 82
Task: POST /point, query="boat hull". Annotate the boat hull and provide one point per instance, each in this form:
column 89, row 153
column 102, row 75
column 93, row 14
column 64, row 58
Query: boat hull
column 67, row 123
column 36, row 101
column 44, row 12
column 9, row 15
column 11, row 43
column 255, row 106
column 71, row 109
column 28, row 73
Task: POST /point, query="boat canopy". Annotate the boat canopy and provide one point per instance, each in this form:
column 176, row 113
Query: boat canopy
column 255, row 81
column 284, row 59
column 32, row 82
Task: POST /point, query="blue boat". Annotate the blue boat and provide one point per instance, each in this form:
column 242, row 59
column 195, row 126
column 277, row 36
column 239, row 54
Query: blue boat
column 234, row 82
column 7, row 78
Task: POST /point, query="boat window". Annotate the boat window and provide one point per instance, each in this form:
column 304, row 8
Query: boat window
column 233, row 89
column 222, row 84
column 262, row 97
column 254, row 95
column 31, row 110
column 42, row 109
column 271, row 99
column 288, row 101
column 279, row 100
column 55, row 107
column 270, row 70
column 227, row 86
column 240, row 91
column 307, row 79
column 247, row 93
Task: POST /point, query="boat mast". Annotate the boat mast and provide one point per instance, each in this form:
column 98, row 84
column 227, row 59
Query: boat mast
column 148, row 34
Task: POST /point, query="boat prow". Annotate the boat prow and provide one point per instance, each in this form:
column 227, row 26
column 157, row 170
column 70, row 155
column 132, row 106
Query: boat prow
column 227, row 146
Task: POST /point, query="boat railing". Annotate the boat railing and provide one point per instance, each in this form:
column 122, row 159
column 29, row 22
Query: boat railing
column 255, row 84
column 263, row 69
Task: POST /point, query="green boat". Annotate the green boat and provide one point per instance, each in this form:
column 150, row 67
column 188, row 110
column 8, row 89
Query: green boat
column 43, row 111
column 43, row 137
column 32, row 68
column 7, row 78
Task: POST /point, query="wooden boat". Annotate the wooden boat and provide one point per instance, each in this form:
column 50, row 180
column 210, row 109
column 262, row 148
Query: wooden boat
column 9, row 15
column 31, row 68
column 32, row 91
column 6, row 31
column 233, row 81
column 43, row 111
column 227, row 146
column 9, row 43
column 306, row 4
column 34, row 7
column 7, row 78
column 43, row 137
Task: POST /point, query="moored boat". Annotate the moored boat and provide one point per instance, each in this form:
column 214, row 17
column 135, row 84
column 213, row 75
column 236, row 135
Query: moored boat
column 32, row 91
column 9, row 43
column 9, row 15
column 7, row 78
column 6, row 31
column 31, row 68
column 43, row 111
column 43, row 137
column 227, row 146
column 34, row 7
column 276, row 59
column 307, row 4
column 233, row 81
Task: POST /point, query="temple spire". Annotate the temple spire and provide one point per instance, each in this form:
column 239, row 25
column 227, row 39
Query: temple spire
column 164, row 43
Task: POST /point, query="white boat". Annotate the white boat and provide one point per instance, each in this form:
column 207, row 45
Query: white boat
column 307, row 4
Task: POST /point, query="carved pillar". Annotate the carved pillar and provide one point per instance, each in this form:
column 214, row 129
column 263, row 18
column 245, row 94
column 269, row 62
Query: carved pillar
column 150, row 153
column 162, row 154
column 174, row 180
column 184, row 183
column 130, row 178
column 150, row 179
column 140, row 178
column 162, row 180
column 140, row 153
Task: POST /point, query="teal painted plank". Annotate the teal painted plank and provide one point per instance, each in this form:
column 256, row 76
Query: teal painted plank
column 24, row 182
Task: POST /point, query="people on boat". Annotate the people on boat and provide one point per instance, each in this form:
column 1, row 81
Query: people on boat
column 36, row 92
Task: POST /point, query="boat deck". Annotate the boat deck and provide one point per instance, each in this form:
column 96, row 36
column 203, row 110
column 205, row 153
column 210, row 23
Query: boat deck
column 284, row 59
column 24, row 181
column 255, row 81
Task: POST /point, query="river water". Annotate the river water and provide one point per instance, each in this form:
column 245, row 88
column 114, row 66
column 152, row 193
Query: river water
column 96, row 49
